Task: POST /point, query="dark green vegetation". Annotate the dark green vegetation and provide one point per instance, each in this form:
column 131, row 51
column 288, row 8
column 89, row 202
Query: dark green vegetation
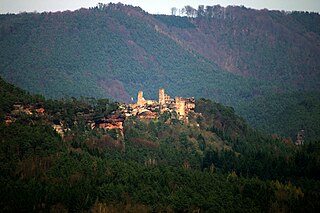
column 252, row 60
column 10, row 94
column 159, row 165
column 287, row 112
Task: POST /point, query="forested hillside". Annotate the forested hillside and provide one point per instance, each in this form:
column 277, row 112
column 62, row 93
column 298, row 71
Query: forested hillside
column 10, row 94
column 268, row 45
column 232, row 55
column 286, row 112
column 213, row 163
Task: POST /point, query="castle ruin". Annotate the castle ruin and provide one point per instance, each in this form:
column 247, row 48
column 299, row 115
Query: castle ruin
column 141, row 101
column 163, row 97
column 179, row 105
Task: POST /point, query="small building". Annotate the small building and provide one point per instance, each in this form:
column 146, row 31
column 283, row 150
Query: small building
column 300, row 138
column 59, row 129
column 40, row 110
column 8, row 119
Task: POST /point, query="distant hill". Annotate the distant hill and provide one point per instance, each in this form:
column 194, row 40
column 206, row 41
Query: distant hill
column 232, row 55
column 113, row 52
column 267, row 45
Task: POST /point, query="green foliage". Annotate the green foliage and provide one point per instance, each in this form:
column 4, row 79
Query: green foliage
column 20, row 143
column 253, row 153
column 289, row 113
column 308, row 19
column 9, row 95
column 176, row 21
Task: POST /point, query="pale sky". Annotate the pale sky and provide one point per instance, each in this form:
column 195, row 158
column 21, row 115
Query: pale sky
column 154, row 6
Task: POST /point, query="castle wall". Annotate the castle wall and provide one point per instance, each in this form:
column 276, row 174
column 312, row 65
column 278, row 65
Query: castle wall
column 141, row 101
column 180, row 106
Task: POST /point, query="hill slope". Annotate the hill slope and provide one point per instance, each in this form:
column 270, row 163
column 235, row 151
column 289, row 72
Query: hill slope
column 268, row 45
column 115, row 52
column 215, row 162
column 233, row 55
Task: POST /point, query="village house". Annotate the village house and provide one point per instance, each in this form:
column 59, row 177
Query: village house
column 28, row 109
column 300, row 138
column 8, row 119
column 18, row 108
column 59, row 128
column 40, row 110
column 114, row 121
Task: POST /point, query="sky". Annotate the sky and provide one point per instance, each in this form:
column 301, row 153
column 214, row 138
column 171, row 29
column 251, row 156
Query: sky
column 154, row 6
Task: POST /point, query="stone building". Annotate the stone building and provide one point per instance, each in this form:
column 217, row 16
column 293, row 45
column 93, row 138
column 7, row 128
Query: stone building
column 300, row 138
column 180, row 105
column 163, row 97
column 142, row 102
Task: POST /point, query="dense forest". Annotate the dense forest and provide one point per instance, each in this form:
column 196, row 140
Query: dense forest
column 260, row 62
column 214, row 163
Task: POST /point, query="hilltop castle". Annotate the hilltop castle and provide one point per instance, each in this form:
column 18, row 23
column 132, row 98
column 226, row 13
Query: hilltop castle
column 147, row 108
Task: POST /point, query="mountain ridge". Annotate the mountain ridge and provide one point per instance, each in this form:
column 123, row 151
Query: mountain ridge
column 232, row 55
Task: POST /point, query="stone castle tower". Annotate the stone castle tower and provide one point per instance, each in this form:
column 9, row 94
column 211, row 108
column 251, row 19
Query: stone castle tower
column 180, row 106
column 141, row 101
column 161, row 96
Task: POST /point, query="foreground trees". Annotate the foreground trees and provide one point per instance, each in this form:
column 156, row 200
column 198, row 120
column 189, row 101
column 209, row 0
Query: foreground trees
column 164, row 167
